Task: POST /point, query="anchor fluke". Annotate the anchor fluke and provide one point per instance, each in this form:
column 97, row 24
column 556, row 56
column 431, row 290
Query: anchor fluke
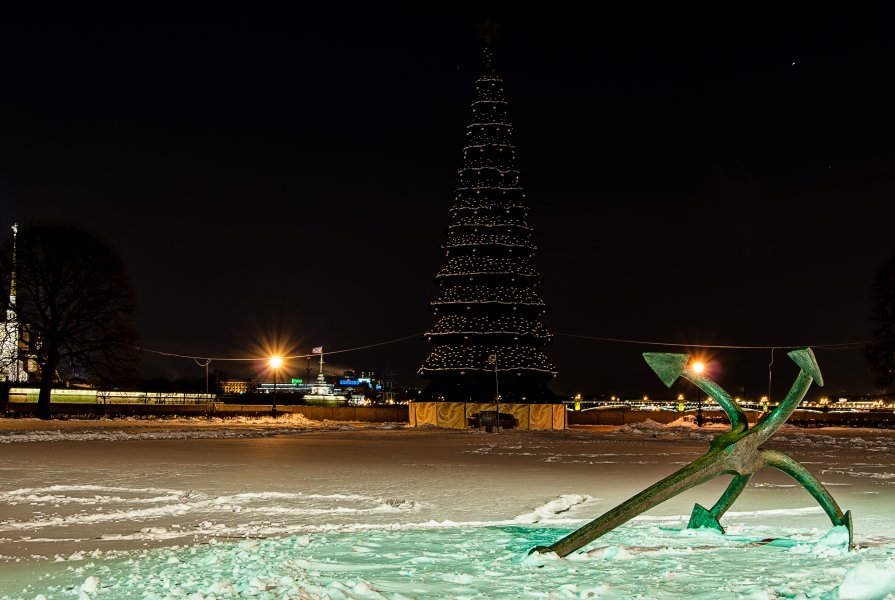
column 667, row 365
column 702, row 517
column 804, row 357
column 847, row 521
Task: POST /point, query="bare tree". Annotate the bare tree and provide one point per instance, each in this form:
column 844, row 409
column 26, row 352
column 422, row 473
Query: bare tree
column 880, row 352
column 74, row 306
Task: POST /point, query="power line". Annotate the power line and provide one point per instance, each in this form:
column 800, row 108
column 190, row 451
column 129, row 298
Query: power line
column 193, row 357
column 835, row 346
column 407, row 337
column 208, row 359
column 203, row 360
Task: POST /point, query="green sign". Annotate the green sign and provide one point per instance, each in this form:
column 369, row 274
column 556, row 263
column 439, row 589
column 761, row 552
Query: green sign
column 295, row 381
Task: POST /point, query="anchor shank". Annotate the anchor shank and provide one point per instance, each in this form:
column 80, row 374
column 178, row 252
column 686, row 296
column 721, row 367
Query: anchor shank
column 702, row 469
column 670, row 366
column 738, row 421
column 770, row 424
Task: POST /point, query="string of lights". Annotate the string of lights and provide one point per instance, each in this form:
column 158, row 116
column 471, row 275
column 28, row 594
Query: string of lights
column 500, row 324
column 484, row 293
column 481, row 221
column 479, row 239
column 474, row 265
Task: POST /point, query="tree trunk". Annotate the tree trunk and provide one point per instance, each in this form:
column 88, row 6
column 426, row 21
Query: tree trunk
column 46, row 386
column 43, row 400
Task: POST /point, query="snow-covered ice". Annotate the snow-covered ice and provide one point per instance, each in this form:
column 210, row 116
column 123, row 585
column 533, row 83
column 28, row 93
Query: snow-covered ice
column 300, row 509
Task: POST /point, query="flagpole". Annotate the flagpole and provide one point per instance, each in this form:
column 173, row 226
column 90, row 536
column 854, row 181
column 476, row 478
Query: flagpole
column 319, row 350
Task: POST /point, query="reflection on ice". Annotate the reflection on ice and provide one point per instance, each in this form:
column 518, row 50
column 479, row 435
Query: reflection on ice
column 485, row 562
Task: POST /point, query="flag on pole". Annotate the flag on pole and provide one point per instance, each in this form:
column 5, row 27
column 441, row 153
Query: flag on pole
column 317, row 350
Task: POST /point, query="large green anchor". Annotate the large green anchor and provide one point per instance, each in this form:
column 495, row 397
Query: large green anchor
column 735, row 452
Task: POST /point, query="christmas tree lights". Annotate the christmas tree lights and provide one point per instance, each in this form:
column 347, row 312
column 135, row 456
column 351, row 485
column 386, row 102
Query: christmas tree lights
column 488, row 311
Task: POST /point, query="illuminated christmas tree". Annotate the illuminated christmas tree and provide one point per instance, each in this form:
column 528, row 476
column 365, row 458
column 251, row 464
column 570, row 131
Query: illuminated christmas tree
column 488, row 334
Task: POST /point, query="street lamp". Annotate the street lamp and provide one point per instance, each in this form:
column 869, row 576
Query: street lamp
column 698, row 367
column 492, row 360
column 275, row 363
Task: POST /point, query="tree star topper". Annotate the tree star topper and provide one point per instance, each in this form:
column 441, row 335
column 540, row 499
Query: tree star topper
column 489, row 31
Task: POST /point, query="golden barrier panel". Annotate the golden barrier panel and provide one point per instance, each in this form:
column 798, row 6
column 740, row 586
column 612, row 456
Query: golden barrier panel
column 541, row 416
column 451, row 414
column 474, row 408
column 424, row 413
column 560, row 415
column 457, row 415
column 520, row 412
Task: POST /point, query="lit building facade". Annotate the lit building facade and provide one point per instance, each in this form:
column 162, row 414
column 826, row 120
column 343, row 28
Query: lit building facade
column 234, row 386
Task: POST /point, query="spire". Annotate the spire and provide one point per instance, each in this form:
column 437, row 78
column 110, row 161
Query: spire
column 12, row 369
column 12, row 281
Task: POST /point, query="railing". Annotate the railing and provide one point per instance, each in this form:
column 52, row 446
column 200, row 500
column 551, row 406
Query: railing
column 110, row 396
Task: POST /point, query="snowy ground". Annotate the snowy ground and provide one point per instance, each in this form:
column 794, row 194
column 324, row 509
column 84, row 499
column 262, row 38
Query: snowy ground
column 299, row 509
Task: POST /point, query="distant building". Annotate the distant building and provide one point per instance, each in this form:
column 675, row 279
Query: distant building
column 234, row 386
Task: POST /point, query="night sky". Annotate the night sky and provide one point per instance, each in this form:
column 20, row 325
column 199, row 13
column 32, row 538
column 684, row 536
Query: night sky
column 696, row 178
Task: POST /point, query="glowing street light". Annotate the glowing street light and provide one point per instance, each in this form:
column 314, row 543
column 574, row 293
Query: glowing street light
column 275, row 362
column 698, row 367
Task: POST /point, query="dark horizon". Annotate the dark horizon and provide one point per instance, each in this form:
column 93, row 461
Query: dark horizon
column 722, row 180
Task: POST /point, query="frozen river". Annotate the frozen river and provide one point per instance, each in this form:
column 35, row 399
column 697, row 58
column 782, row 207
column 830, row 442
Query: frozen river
column 294, row 510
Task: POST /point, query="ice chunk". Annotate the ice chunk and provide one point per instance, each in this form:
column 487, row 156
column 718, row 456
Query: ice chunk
column 90, row 584
column 552, row 508
column 867, row 582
